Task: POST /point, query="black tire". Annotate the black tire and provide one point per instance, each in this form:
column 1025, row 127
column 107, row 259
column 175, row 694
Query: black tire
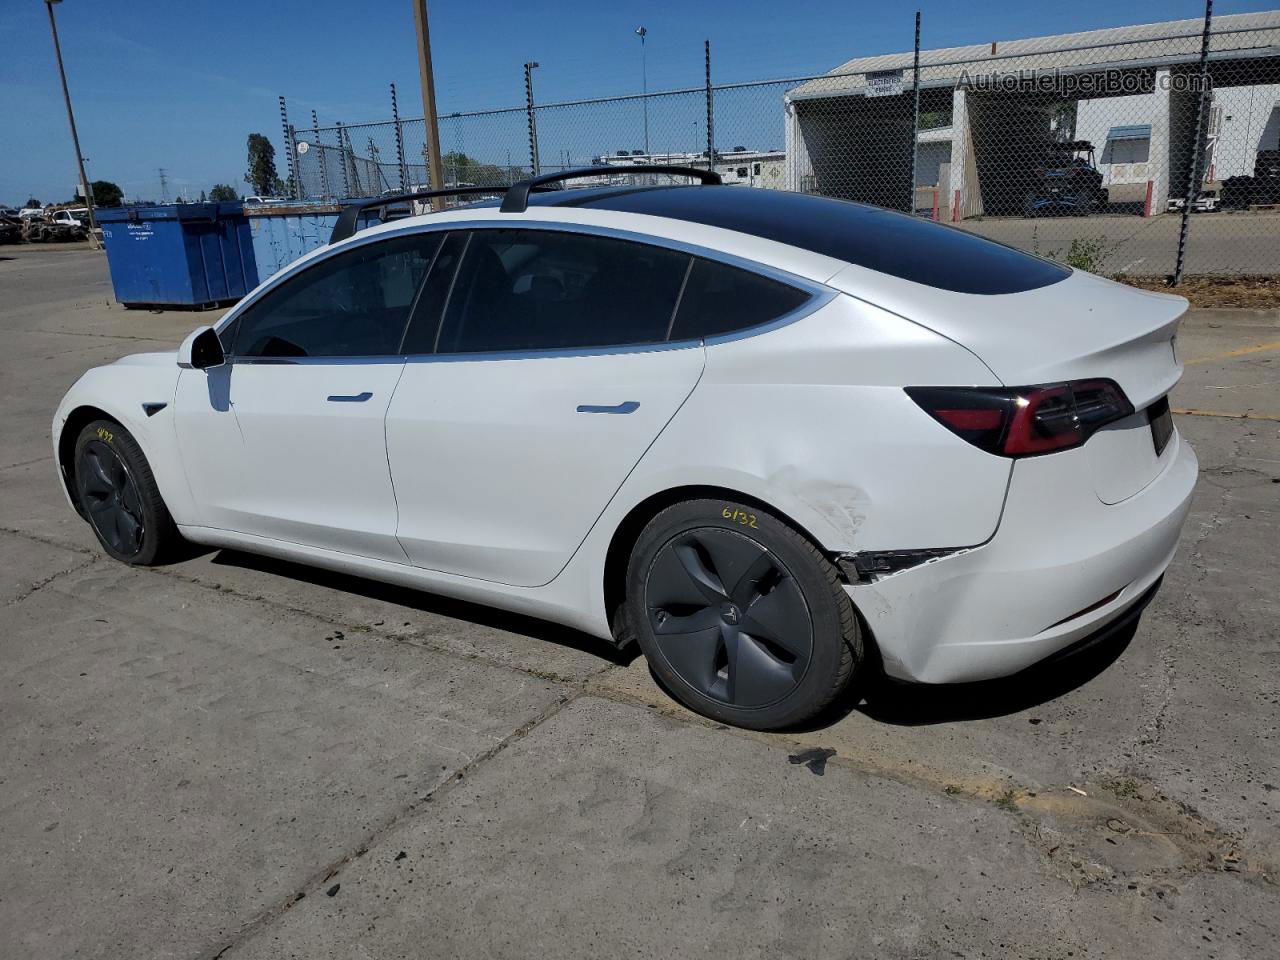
column 118, row 495
column 741, row 618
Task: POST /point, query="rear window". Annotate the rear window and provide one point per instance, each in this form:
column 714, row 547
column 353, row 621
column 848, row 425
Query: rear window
column 721, row 299
column 933, row 254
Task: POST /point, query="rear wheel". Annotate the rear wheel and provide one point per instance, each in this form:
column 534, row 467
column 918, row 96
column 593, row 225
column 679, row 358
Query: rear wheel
column 119, row 497
column 740, row 617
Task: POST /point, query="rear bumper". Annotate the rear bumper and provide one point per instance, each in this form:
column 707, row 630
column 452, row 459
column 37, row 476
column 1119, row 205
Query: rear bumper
column 1016, row 600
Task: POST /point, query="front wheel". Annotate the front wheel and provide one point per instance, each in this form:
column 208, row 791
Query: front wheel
column 119, row 497
column 740, row 617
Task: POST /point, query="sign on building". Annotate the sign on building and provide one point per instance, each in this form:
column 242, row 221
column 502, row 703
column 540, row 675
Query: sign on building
column 884, row 83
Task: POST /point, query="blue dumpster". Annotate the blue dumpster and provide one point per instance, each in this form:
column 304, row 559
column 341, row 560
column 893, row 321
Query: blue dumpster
column 283, row 232
column 187, row 254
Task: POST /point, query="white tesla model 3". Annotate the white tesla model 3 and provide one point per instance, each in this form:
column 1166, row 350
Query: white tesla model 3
column 761, row 433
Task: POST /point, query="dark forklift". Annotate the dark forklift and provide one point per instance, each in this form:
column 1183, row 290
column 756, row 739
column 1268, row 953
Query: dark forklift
column 1066, row 183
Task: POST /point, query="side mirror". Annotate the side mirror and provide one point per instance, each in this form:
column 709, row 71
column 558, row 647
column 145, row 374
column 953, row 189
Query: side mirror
column 201, row 350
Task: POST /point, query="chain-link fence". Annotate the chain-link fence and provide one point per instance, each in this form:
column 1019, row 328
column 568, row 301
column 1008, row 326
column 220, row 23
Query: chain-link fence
column 1085, row 147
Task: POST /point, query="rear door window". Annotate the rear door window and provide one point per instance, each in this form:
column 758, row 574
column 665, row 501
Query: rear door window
column 526, row 290
column 353, row 304
column 722, row 299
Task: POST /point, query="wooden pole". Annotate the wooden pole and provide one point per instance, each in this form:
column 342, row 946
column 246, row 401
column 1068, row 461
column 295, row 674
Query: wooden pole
column 71, row 119
column 434, row 170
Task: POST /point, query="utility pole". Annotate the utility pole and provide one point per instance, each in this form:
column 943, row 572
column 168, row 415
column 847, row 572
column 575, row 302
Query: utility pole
column 71, row 119
column 428, row 98
column 164, row 185
column 641, row 32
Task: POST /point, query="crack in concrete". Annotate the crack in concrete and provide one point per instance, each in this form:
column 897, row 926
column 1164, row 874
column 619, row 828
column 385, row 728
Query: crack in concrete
column 26, row 463
column 43, row 582
column 50, row 542
column 1181, row 843
column 321, row 877
column 1163, row 841
column 418, row 642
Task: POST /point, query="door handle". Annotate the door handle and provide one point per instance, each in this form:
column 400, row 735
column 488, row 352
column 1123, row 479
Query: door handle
column 352, row 398
column 627, row 406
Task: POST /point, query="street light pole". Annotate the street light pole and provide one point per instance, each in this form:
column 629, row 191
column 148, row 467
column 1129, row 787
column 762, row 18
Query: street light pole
column 641, row 32
column 434, row 172
column 71, row 119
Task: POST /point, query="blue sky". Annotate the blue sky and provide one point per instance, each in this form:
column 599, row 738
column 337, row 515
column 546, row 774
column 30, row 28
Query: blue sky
column 180, row 85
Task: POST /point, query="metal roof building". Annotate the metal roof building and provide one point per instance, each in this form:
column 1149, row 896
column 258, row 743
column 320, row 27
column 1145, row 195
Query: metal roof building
column 991, row 115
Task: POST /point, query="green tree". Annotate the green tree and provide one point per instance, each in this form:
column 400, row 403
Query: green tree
column 203, row 198
column 33, row 202
column 460, row 168
column 220, row 192
column 106, row 194
column 262, row 165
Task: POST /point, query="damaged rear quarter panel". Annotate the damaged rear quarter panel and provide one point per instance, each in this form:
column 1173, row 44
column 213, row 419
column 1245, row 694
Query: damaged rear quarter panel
column 812, row 419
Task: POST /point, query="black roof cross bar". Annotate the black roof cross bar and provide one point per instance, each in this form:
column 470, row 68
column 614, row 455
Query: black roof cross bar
column 517, row 197
column 350, row 215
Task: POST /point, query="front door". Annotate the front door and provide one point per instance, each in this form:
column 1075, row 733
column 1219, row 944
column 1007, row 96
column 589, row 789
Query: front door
column 286, row 439
column 530, row 402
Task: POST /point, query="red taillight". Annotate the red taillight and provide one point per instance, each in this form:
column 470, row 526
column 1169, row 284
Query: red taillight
column 970, row 419
column 1025, row 421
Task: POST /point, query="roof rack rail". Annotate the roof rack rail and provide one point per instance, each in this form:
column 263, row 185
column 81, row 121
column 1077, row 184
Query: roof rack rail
column 350, row 215
column 517, row 197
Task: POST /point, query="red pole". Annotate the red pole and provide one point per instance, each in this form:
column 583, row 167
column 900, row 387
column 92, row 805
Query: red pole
column 955, row 208
column 1146, row 210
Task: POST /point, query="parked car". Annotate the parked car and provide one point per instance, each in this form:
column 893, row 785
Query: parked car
column 1263, row 188
column 75, row 217
column 763, row 434
column 1067, row 183
column 258, row 200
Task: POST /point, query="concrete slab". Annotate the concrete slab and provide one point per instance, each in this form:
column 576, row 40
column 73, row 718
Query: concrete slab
column 176, row 764
column 34, row 505
column 465, row 629
column 255, row 725
column 29, row 565
column 612, row 829
column 1232, row 363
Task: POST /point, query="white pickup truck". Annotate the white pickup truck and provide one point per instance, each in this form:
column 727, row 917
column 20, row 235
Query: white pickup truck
column 75, row 217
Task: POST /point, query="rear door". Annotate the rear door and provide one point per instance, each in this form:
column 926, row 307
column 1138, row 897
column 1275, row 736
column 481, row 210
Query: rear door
column 545, row 380
column 286, row 440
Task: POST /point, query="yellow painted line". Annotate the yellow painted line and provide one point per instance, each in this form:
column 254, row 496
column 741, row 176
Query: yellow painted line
column 1242, row 352
column 1229, row 416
